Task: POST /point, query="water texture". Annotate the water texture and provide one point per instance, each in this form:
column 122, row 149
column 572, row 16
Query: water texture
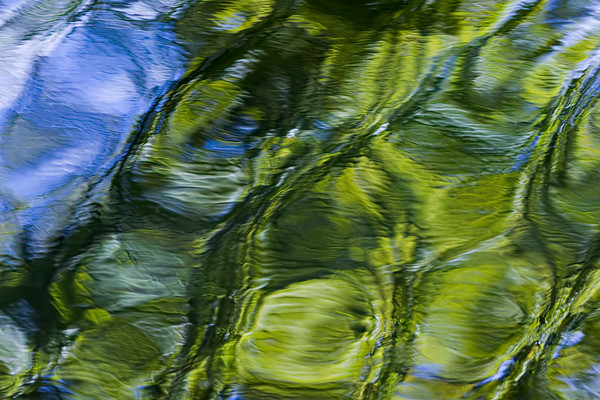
column 285, row 199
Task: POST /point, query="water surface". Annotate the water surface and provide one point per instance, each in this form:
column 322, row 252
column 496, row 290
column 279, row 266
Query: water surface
column 299, row 199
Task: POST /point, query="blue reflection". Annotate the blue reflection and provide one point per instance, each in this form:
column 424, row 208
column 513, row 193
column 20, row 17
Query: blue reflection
column 523, row 157
column 563, row 12
column 323, row 130
column 222, row 148
column 54, row 389
column 231, row 142
column 245, row 125
column 71, row 121
column 23, row 315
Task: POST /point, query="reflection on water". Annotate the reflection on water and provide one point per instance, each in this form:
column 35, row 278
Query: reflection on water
column 299, row 199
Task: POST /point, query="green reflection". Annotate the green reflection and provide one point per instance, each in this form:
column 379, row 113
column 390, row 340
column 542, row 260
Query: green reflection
column 384, row 200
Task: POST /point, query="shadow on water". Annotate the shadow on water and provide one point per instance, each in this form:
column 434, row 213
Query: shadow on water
column 299, row 199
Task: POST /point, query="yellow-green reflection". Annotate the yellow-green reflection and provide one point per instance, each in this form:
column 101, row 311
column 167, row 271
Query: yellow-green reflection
column 359, row 200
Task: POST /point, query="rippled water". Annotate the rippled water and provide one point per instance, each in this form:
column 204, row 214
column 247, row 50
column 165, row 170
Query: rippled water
column 318, row 199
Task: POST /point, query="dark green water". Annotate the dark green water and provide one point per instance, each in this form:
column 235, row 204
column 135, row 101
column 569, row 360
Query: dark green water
column 319, row 199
